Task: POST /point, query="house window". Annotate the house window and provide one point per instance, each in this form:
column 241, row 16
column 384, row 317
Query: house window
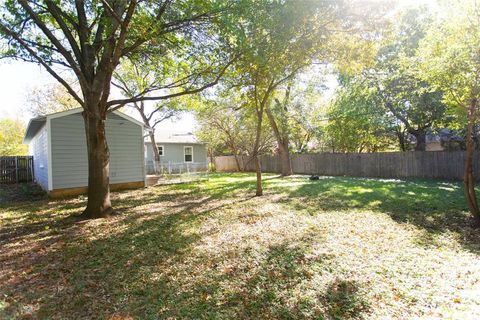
column 188, row 154
column 161, row 151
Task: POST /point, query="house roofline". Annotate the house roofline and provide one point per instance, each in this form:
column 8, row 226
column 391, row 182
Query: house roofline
column 28, row 136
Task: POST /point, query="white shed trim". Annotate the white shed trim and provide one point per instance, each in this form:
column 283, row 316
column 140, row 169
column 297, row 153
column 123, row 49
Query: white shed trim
column 78, row 110
column 49, row 154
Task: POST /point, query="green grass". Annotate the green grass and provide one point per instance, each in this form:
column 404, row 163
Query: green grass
column 337, row 248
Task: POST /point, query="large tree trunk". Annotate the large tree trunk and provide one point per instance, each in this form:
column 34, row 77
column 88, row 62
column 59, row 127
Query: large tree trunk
column 282, row 142
column 421, row 137
column 98, row 205
column 258, row 170
column 156, row 155
column 286, row 165
column 468, row 178
column 401, row 139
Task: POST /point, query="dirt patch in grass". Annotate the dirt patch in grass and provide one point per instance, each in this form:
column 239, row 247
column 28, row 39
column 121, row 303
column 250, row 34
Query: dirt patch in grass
column 334, row 249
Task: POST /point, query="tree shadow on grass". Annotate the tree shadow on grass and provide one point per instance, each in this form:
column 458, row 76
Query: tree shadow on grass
column 88, row 279
column 147, row 266
column 267, row 287
column 434, row 206
column 146, row 263
column 54, row 268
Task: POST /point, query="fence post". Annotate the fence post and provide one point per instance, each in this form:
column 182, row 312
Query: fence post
column 16, row 169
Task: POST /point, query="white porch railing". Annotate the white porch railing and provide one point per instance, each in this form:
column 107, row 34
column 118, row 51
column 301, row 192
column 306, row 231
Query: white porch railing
column 153, row 167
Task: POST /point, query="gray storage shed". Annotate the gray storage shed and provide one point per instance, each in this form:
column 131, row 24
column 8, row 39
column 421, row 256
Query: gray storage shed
column 58, row 144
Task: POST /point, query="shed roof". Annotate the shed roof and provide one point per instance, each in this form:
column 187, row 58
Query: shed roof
column 35, row 124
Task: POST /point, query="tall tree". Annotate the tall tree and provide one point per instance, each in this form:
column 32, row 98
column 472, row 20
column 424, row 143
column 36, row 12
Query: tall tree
column 357, row 121
column 89, row 39
column 449, row 57
column 277, row 39
column 414, row 102
column 230, row 128
column 296, row 107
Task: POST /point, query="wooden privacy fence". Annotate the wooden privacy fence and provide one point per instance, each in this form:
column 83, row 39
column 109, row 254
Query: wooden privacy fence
column 16, row 169
column 414, row 164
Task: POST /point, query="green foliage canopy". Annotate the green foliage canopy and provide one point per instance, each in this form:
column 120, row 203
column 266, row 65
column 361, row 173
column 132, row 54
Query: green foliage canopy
column 11, row 138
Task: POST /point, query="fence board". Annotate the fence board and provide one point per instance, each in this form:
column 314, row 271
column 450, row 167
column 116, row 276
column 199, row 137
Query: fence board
column 413, row 164
column 14, row 169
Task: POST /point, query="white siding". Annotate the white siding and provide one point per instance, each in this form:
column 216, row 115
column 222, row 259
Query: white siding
column 38, row 147
column 69, row 151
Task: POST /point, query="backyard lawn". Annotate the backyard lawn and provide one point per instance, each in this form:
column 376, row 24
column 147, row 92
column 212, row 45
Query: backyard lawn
column 336, row 248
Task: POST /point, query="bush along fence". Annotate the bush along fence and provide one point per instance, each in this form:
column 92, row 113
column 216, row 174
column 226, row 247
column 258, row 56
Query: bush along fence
column 16, row 169
column 413, row 164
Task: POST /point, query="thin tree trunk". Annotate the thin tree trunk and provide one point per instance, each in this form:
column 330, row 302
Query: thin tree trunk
column 156, row 155
column 282, row 142
column 258, row 170
column 237, row 162
column 98, row 205
column 258, row 167
column 468, row 178
column 212, row 161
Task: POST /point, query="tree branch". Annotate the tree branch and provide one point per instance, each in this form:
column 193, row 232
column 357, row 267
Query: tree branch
column 57, row 15
column 120, row 102
column 41, row 61
column 63, row 51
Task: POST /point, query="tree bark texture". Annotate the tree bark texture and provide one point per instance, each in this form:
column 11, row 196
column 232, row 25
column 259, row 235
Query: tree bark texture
column 258, row 167
column 282, row 142
column 258, row 171
column 237, row 162
column 421, row 137
column 98, row 205
column 156, row 155
column 468, row 177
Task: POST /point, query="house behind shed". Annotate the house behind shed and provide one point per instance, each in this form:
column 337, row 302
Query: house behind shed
column 179, row 152
column 58, row 144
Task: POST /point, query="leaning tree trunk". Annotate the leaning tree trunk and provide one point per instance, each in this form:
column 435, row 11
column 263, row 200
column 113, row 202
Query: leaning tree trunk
column 282, row 142
column 468, row 178
column 98, row 205
column 401, row 140
column 286, row 165
column 156, row 155
column 237, row 162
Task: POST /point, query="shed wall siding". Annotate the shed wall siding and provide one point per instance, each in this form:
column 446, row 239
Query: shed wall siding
column 38, row 147
column 69, row 151
column 173, row 152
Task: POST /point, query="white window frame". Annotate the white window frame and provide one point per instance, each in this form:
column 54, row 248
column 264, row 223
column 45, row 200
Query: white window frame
column 184, row 154
column 163, row 149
